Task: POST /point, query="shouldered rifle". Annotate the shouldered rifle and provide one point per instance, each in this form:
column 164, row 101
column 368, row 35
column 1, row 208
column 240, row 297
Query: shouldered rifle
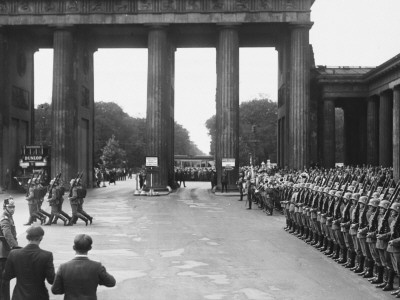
column 56, row 179
column 392, row 199
column 29, row 184
column 78, row 176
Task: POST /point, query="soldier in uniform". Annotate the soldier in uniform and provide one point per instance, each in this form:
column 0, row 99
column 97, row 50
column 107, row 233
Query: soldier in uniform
column 355, row 213
column 54, row 202
column 365, row 213
column 75, row 202
column 239, row 184
column 81, row 192
column 393, row 248
column 33, row 199
column 371, row 240
column 8, row 242
column 345, row 228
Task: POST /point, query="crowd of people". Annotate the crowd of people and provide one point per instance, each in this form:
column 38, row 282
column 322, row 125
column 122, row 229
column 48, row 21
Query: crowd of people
column 351, row 214
column 103, row 175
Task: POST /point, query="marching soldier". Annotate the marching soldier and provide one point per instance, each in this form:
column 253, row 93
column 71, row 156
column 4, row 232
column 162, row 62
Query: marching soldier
column 81, row 193
column 33, row 198
column 75, row 202
column 54, row 202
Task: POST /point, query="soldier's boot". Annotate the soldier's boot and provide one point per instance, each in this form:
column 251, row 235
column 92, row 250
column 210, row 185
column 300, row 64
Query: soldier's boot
column 293, row 228
column 87, row 216
column 374, row 272
column 322, row 243
column 30, row 221
column 64, row 214
column 344, row 256
column 299, row 230
column 40, row 217
column 352, row 259
column 357, row 262
column 389, row 284
column 65, row 220
column 339, row 257
column 336, row 254
column 329, row 246
column 315, row 241
column 379, row 278
column 304, row 236
column 333, row 249
column 360, row 267
column 384, row 278
column 366, row 262
column 310, row 237
column 72, row 221
column 82, row 217
column 370, row 269
column 48, row 223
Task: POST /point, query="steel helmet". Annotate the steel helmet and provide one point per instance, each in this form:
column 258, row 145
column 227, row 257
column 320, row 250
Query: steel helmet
column 375, row 195
column 350, row 188
column 355, row 196
column 338, row 194
column 332, row 192
column 379, row 189
column 363, row 200
column 326, row 190
column 391, row 190
column 347, row 196
column 307, row 185
column 374, row 202
column 8, row 202
column 395, row 206
column 321, row 189
column 72, row 182
column 316, row 188
column 384, row 204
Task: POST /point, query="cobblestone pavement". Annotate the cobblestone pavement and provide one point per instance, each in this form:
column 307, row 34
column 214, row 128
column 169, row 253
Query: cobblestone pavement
column 193, row 245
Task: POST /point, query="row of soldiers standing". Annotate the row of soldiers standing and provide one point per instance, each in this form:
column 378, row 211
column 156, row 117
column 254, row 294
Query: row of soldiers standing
column 351, row 216
column 36, row 194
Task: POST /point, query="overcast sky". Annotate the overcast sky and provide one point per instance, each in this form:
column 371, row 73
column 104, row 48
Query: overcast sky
column 345, row 33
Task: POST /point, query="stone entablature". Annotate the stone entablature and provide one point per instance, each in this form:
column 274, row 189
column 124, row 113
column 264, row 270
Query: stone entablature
column 167, row 11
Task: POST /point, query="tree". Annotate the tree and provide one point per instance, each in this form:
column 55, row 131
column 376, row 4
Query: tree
column 257, row 130
column 113, row 156
column 182, row 144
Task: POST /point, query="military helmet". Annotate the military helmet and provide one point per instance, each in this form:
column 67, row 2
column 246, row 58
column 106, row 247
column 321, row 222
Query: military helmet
column 347, row 195
column 316, row 188
column 391, row 190
column 350, row 188
column 326, row 190
column 8, row 202
column 375, row 195
column 321, row 189
column 355, row 196
column 72, row 182
column 307, row 185
column 395, row 206
column 338, row 194
column 332, row 192
column 384, row 204
column 379, row 189
column 363, row 200
column 311, row 186
column 374, row 202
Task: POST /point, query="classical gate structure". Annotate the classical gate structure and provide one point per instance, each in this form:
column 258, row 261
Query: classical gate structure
column 75, row 29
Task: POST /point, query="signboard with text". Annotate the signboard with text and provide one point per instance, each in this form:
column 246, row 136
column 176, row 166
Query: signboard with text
column 151, row 161
column 228, row 163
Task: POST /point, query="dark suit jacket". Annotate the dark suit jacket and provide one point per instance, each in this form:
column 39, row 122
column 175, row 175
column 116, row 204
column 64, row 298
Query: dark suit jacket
column 79, row 279
column 31, row 266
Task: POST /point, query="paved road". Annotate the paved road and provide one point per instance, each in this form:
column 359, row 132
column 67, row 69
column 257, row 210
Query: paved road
column 193, row 245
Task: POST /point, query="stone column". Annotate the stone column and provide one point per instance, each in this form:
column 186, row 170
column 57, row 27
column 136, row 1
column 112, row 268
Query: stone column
column 63, row 152
column 385, row 129
column 3, row 76
column 158, row 104
column 227, row 111
column 396, row 133
column 299, row 96
column 372, row 132
column 329, row 143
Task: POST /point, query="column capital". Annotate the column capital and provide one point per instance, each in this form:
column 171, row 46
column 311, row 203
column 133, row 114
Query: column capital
column 301, row 25
column 396, row 87
column 228, row 25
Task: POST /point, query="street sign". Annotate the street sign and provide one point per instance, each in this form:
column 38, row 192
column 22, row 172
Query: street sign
column 228, row 163
column 151, row 161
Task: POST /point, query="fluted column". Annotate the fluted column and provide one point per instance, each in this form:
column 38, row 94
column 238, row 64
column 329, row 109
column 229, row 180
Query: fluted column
column 385, row 129
column 329, row 141
column 227, row 111
column 396, row 132
column 299, row 96
column 63, row 116
column 158, row 104
column 3, row 76
column 372, row 132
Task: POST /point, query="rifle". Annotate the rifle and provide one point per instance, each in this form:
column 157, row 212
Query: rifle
column 78, row 176
column 385, row 220
column 56, row 179
column 29, row 184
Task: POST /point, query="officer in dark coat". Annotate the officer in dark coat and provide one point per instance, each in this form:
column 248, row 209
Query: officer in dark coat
column 8, row 241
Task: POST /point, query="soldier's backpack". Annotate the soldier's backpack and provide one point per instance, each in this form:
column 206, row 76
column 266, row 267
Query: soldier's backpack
column 81, row 192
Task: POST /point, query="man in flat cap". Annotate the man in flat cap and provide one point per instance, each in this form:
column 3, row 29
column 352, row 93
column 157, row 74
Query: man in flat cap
column 8, row 241
column 31, row 266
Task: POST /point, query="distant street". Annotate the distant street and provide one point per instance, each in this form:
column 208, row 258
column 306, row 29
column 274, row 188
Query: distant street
column 193, row 245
